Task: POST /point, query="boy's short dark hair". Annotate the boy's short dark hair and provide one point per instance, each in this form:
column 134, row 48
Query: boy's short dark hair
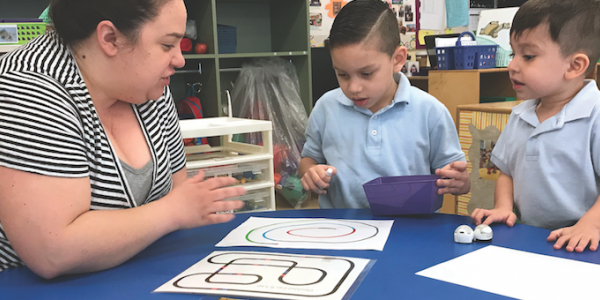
column 574, row 24
column 362, row 20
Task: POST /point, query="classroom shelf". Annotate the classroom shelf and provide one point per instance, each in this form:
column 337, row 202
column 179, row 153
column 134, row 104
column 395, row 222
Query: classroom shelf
column 233, row 158
column 264, row 28
column 422, row 82
column 8, row 48
column 264, row 54
column 479, row 127
column 199, row 56
column 460, row 87
column 463, row 87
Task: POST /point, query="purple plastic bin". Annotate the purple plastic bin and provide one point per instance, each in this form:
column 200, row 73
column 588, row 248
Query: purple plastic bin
column 403, row 195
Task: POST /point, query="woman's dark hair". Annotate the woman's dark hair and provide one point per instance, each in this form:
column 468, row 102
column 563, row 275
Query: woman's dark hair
column 76, row 20
column 360, row 20
column 573, row 24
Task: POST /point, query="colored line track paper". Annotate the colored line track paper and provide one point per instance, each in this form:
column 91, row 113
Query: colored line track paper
column 270, row 275
column 297, row 233
column 519, row 274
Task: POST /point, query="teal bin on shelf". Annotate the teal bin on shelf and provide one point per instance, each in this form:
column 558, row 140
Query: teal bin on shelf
column 503, row 57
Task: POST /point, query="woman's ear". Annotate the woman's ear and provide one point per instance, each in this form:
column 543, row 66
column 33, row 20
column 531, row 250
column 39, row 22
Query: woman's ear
column 108, row 37
column 578, row 65
column 399, row 58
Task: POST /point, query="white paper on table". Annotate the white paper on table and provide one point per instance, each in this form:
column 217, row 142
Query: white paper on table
column 519, row 274
column 269, row 275
column 297, row 233
column 433, row 14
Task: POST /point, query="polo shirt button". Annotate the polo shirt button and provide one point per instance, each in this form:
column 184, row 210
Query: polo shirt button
column 374, row 132
column 375, row 117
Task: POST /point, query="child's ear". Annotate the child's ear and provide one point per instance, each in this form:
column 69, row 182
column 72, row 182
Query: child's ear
column 578, row 65
column 108, row 37
column 399, row 58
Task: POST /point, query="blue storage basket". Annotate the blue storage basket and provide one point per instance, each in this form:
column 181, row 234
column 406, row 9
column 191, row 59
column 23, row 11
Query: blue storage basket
column 227, row 38
column 466, row 57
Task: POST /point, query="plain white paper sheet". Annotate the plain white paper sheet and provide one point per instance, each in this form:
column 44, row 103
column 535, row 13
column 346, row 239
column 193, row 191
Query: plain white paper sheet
column 433, row 14
column 519, row 274
column 269, row 275
column 298, row 233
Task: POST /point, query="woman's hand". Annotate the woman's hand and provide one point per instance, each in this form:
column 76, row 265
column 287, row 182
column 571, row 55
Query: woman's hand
column 198, row 202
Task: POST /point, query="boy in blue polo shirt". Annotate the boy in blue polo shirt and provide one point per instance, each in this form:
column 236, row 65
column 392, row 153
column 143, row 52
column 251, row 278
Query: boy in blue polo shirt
column 375, row 124
column 549, row 152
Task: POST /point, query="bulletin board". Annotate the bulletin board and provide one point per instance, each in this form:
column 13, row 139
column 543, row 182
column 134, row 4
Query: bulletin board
column 416, row 19
column 407, row 13
column 323, row 12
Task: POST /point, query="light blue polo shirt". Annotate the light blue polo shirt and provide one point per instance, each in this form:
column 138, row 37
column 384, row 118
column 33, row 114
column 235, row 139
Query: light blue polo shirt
column 554, row 165
column 414, row 135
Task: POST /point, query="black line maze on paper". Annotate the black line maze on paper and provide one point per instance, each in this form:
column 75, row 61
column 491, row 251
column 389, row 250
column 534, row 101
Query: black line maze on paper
column 285, row 262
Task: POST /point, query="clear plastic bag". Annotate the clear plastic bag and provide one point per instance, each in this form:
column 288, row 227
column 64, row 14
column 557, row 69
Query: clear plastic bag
column 268, row 89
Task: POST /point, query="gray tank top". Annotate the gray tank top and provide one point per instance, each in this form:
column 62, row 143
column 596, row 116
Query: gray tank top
column 139, row 180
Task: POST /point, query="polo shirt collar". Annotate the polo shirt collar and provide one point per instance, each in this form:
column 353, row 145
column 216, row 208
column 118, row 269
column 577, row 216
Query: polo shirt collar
column 579, row 107
column 402, row 93
column 583, row 103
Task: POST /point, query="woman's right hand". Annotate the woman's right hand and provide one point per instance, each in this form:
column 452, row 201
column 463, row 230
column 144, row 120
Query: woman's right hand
column 197, row 202
column 316, row 179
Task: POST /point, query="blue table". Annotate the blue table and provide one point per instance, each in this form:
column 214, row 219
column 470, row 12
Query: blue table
column 414, row 244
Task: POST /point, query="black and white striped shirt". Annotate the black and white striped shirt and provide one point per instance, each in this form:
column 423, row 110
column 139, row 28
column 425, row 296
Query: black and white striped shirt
column 49, row 126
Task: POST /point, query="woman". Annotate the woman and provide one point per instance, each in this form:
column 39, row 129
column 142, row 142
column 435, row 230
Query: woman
column 84, row 155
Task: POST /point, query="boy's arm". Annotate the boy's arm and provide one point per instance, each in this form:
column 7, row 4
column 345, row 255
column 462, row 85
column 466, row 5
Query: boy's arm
column 587, row 229
column 312, row 169
column 446, row 157
column 503, row 205
column 585, row 232
column 503, row 195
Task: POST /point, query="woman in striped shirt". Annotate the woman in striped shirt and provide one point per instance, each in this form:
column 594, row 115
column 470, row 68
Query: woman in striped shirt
column 84, row 155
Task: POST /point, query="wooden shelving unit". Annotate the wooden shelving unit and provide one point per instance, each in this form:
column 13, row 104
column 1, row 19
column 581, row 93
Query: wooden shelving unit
column 8, row 48
column 480, row 123
column 421, row 82
column 460, row 87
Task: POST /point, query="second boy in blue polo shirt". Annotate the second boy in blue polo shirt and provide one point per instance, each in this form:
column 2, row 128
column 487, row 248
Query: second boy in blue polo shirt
column 557, row 183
